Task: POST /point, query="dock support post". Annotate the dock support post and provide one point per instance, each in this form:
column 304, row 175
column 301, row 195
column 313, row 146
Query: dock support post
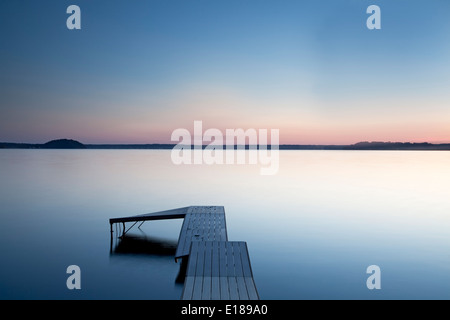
column 111, row 242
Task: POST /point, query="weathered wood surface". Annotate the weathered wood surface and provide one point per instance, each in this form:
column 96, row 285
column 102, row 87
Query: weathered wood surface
column 201, row 223
column 219, row 270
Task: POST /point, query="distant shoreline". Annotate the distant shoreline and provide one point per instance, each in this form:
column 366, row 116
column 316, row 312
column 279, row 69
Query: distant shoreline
column 72, row 144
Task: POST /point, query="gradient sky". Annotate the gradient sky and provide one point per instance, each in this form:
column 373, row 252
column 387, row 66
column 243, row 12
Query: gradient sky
column 137, row 70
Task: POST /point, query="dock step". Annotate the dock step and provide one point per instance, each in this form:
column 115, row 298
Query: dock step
column 219, row 270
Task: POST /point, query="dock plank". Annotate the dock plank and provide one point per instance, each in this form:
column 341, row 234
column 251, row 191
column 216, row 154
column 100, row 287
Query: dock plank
column 188, row 288
column 251, row 288
column 207, row 272
column 224, row 289
column 189, row 281
column 199, row 270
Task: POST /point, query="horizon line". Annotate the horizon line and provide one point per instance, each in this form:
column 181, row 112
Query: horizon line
column 291, row 144
column 362, row 145
column 268, row 144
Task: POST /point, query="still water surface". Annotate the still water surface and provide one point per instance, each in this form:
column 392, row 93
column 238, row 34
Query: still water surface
column 312, row 229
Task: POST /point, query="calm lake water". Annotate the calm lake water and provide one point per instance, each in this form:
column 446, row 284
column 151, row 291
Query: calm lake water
column 312, row 229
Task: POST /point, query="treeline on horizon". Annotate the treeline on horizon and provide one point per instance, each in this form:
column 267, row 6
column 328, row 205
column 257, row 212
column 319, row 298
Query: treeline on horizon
column 73, row 144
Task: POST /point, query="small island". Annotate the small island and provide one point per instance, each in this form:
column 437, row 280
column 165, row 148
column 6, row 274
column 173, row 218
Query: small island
column 63, row 144
column 53, row 144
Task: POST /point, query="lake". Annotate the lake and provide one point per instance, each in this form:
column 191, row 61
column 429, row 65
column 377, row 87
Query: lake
column 312, row 229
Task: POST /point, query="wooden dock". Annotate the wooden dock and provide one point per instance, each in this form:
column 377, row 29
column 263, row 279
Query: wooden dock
column 217, row 269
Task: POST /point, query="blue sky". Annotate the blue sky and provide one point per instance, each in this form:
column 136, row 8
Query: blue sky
column 137, row 70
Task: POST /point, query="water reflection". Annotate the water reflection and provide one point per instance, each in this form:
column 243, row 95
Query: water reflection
column 147, row 246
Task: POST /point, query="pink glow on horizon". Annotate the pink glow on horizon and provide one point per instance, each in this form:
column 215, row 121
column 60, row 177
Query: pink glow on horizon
column 299, row 121
column 307, row 132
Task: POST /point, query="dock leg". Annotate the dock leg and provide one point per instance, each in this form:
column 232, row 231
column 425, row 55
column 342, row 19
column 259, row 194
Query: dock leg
column 111, row 242
column 182, row 271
